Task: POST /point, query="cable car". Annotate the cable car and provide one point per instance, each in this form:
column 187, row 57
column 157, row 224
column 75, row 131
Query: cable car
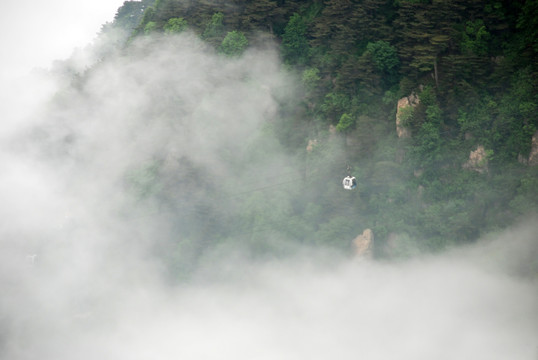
column 349, row 182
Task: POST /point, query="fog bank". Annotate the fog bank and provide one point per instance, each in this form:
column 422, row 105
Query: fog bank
column 109, row 182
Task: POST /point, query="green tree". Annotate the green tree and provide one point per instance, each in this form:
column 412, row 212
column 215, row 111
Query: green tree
column 310, row 78
column 517, row 121
column 345, row 123
column 214, row 30
column 150, row 27
column 427, row 146
column 526, row 199
column 433, row 114
column 311, row 82
column 475, row 38
column 334, row 105
column 234, row 43
column 385, row 58
column 476, row 120
column 527, row 24
column 294, row 43
column 175, row 26
column 149, row 15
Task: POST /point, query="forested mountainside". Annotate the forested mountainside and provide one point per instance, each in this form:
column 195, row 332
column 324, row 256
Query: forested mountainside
column 431, row 104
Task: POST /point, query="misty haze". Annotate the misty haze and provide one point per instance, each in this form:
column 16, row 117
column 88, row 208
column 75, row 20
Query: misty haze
column 174, row 190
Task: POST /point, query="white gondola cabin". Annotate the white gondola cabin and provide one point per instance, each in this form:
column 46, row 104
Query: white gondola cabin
column 349, row 182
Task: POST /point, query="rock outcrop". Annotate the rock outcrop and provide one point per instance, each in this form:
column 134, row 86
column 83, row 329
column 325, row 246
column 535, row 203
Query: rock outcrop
column 311, row 144
column 363, row 243
column 478, row 160
column 404, row 103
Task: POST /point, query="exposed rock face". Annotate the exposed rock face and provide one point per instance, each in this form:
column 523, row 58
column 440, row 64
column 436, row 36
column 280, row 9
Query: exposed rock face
column 478, row 160
column 405, row 102
column 363, row 243
column 533, row 156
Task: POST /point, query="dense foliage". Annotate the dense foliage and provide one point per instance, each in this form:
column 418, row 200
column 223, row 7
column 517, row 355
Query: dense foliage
column 472, row 64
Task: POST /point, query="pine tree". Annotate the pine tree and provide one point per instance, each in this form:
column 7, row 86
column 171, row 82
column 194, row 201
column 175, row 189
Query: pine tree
column 294, row 43
column 373, row 18
column 335, row 27
column 425, row 31
column 261, row 15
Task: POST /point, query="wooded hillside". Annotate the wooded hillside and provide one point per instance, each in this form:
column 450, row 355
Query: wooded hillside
column 465, row 164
